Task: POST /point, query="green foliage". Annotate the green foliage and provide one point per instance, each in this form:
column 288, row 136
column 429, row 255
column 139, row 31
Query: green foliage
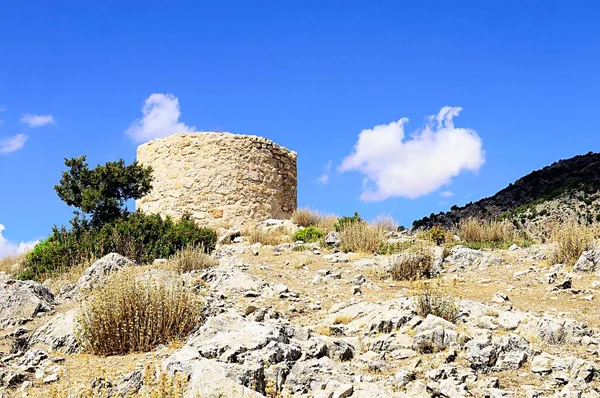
column 436, row 234
column 137, row 236
column 103, row 191
column 346, row 220
column 308, row 234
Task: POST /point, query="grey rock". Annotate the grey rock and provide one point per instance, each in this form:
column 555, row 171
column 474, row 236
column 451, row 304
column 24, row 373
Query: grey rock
column 333, row 238
column 59, row 333
column 22, row 300
column 588, row 261
column 98, row 273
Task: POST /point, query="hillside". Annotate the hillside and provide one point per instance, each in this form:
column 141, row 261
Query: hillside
column 565, row 188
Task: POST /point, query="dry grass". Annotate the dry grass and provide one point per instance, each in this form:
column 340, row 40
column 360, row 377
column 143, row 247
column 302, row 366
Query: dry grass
column 479, row 231
column 191, row 259
column 362, row 237
column 306, row 217
column 571, row 240
column 133, row 315
column 327, row 222
column 12, row 265
column 271, row 238
column 413, row 264
column 385, row 222
column 430, row 302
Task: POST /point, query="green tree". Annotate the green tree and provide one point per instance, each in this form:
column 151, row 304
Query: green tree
column 101, row 193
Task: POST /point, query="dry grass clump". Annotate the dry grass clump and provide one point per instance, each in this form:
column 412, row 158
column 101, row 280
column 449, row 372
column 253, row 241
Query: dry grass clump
column 327, row 222
column 271, row 237
column 306, row 217
column 135, row 315
column 479, row 231
column 12, row 265
column 571, row 240
column 362, row 237
column 429, row 302
column 386, row 222
column 413, row 264
column 192, row 258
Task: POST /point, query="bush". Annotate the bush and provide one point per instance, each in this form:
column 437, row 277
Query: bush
column 138, row 236
column 191, row 258
column 132, row 314
column 413, row 264
column 571, row 240
column 362, row 237
column 347, row 221
column 385, row 222
column 436, row 234
column 429, row 302
column 308, row 234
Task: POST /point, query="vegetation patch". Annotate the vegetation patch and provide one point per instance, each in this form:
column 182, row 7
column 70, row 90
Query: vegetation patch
column 308, row 234
column 135, row 314
column 571, row 239
column 429, row 302
column 191, row 258
column 413, row 264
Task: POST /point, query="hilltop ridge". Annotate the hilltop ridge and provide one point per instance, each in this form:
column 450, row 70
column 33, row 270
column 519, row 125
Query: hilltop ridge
column 569, row 185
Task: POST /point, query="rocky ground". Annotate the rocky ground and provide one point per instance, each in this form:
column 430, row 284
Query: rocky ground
column 321, row 323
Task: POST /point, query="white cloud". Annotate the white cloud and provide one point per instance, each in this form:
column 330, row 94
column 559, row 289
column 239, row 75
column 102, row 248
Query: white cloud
column 398, row 167
column 11, row 144
column 37, row 120
column 447, row 194
column 8, row 248
column 324, row 178
column 160, row 118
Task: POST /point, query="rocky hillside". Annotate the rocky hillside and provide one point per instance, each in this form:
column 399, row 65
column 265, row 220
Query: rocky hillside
column 296, row 320
column 565, row 188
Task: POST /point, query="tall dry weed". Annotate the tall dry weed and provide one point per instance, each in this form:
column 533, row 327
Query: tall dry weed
column 362, row 237
column 191, row 258
column 130, row 314
column 571, row 239
column 480, row 231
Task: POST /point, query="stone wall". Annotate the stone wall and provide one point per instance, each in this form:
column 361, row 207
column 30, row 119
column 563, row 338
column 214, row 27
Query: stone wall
column 219, row 178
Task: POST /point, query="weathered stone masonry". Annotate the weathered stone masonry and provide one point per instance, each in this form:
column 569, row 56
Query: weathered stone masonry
column 219, row 178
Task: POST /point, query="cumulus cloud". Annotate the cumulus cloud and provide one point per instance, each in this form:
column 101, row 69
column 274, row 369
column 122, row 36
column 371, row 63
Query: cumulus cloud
column 160, row 118
column 8, row 248
column 447, row 194
column 396, row 166
column 37, row 120
column 324, row 178
column 11, row 144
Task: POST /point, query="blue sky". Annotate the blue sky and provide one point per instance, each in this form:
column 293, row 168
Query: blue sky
column 310, row 75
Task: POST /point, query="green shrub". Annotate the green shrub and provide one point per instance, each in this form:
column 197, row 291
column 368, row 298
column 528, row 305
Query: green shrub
column 138, row 236
column 346, row 220
column 436, row 234
column 308, row 234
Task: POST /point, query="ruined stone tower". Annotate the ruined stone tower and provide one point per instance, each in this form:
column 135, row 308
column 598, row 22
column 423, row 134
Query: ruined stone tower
column 219, row 178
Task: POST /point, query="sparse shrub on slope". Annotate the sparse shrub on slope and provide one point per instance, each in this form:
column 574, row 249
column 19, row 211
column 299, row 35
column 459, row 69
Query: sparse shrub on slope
column 429, row 302
column 308, row 234
column 489, row 233
column 359, row 236
column 385, row 222
column 305, row 217
column 346, row 221
column 412, row 264
column 132, row 314
column 270, row 237
column 437, row 235
column 191, row 258
column 571, row 240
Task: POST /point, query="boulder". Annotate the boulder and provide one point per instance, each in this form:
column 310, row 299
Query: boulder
column 22, row 300
column 588, row 261
column 59, row 333
column 98, row 273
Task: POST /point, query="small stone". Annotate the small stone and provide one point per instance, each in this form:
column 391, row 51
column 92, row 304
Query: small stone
column 51, row 378
column 356, row 290
column 500, row 297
